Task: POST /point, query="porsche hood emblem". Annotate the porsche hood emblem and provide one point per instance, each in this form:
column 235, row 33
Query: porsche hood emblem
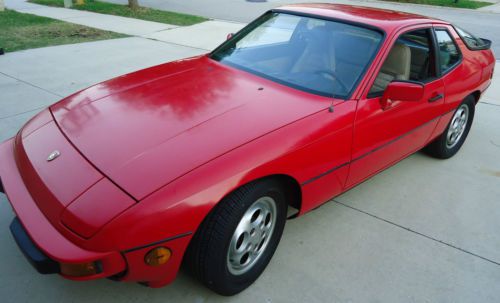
column 53, row 155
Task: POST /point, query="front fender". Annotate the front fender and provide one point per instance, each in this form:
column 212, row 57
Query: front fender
column 301, row 150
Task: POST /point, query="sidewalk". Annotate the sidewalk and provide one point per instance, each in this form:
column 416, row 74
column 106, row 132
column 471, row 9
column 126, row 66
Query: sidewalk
column 122, row 25
column 495, row 8
column 206, row 35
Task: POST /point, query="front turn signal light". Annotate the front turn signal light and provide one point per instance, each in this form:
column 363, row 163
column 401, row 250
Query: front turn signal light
column 157, row 256
column 80, row 269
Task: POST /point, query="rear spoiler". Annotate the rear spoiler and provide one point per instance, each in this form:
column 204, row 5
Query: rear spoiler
column 472, row 42
column 486, row 44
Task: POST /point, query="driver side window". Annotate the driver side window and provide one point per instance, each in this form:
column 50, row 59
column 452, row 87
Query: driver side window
column 410, row 59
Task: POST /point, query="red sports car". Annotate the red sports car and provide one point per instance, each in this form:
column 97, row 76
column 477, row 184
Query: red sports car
column 201, row 161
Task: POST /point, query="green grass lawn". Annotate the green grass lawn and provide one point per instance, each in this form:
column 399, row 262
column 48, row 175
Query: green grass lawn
column 450, row 3
column 23, row 31
column 143, row 13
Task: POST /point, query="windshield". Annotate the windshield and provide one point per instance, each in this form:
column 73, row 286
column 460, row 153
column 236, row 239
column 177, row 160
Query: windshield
column 314, row 55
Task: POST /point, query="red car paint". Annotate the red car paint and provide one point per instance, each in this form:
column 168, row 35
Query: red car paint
column 145, row 156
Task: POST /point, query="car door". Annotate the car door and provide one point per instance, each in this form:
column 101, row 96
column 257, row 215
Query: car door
column 384, row 135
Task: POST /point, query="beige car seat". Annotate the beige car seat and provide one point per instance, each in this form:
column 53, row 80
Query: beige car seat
column 397, row 66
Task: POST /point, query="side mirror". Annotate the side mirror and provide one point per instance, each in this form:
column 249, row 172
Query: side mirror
column 401, row 91
column 229, row 36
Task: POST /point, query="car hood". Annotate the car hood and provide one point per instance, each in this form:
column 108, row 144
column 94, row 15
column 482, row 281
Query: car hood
column 147, row 128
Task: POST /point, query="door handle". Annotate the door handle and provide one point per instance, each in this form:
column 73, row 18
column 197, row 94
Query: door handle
column 436, row 97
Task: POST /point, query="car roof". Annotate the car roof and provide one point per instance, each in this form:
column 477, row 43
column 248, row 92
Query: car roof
column 382, row 18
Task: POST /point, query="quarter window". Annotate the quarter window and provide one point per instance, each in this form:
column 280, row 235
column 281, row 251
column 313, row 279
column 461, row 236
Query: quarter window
column 449, row 55
column 471, row 41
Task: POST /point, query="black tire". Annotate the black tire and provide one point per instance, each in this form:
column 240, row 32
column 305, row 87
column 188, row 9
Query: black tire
column 439, row 148
column 207, row 255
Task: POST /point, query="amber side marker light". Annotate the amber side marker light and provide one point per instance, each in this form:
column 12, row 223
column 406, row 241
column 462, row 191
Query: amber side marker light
column 80, row 269
column 157, row 256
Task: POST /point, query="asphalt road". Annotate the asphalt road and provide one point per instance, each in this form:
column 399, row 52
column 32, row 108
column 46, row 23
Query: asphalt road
column 483, row 24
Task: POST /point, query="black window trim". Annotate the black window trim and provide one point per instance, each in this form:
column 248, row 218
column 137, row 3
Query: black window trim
column 355, row 85
column 435, row 50
column 438, row 59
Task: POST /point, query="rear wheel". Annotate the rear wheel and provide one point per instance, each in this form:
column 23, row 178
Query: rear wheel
column 450, row 141
column 236, row 241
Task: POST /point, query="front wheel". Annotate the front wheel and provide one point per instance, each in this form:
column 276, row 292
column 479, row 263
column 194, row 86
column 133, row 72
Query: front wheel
column 450, row 141
column 236, row 241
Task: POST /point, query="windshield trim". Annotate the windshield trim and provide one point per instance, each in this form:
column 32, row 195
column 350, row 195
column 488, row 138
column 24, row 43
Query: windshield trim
column 251, row 26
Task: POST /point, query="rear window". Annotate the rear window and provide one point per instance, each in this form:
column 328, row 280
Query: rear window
column 471, row 41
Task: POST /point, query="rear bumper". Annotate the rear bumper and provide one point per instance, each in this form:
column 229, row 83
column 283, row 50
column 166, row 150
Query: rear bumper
column 41, row 242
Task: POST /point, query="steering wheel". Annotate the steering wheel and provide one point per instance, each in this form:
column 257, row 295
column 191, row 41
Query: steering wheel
column 332, row 76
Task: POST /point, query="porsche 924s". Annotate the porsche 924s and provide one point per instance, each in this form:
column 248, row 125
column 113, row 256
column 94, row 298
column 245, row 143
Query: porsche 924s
column 201, row 160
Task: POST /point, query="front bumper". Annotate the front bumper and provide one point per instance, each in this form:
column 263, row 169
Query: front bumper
column 33, row 231
column 37, row 258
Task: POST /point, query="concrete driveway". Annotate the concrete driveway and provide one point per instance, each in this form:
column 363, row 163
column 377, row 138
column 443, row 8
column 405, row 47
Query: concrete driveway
column 422, row 231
